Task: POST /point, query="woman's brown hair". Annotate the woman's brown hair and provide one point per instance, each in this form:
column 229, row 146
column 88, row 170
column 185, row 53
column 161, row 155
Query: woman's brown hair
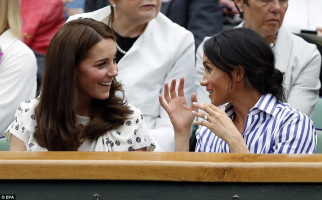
column 57, row 128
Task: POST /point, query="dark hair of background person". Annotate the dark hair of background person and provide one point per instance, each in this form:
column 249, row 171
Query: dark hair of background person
column 242, row 47
column 55, row 114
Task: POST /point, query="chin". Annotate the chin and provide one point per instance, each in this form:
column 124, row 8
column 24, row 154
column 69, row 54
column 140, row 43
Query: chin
column 103, row 97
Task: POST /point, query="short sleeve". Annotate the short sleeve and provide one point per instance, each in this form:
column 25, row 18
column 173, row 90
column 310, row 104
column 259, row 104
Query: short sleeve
column 141, row 133
column 24, row 123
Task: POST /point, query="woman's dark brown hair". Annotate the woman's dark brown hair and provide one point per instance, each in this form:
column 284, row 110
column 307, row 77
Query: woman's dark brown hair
column 57, row 129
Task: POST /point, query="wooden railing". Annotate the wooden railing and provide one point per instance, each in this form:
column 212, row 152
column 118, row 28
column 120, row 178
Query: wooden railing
column 154, row 166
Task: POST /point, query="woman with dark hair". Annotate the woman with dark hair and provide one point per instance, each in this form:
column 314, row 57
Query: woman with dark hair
column 299, row 60
column 239, row 70
column 79, row 108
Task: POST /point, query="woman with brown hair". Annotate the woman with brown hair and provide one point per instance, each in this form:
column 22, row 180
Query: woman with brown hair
column 79, row 108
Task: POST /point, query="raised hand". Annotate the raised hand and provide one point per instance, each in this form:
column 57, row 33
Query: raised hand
column 176, row 106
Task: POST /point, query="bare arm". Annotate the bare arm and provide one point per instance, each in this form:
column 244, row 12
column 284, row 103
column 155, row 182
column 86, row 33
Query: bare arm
column 179, row 112
column 17, row 144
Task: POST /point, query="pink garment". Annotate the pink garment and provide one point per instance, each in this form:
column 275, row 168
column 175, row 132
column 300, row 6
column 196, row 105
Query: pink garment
column 40, row 21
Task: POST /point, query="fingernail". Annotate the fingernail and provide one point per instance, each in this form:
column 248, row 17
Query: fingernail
column 194, row 103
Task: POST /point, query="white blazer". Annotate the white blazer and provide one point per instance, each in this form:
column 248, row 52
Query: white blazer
column 164, row 51
column 299, row 60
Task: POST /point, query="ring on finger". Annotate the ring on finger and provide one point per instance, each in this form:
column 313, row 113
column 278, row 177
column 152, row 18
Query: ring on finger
column 206, row 117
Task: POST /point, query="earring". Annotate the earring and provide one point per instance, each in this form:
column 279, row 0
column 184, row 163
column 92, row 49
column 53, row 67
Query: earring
column 113, row 5
column 241, row 10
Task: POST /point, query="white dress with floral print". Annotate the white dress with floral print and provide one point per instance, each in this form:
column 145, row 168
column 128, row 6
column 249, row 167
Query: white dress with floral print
column 132, row 135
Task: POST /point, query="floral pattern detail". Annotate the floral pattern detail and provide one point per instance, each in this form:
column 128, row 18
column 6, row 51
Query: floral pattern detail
column 129, row 137
column 128, row 123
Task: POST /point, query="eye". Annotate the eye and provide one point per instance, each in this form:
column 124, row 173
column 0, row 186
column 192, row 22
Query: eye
column 101, row 65
column 208, row 69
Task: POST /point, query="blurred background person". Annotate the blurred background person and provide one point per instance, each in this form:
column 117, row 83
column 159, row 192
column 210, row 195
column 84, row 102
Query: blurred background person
column 18, row 66
column 78, row 109
column 40, row 21
column 151, row 50
column 201, row 17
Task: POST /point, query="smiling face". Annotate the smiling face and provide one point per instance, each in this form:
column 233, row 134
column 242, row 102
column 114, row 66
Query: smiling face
column 217, row 83
column 96, row 72
column 138, row 10
column 264, row 16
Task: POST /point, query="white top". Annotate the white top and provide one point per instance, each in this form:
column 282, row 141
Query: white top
column 299, row 60
column 18, row 82
column 132, row 135
column 303, row 15
column 163, row 51
column 271, row 127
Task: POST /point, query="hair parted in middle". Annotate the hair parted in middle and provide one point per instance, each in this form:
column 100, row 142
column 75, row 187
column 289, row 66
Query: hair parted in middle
column 244, row 47
column 55, row 114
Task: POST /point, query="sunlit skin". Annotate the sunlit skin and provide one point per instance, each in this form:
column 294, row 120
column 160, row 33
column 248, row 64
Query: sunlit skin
column 132, row 16
column 95, row 74
column 264, row 16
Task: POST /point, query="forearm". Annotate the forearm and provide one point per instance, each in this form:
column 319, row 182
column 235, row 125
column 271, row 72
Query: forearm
column 182, row 141
column 237, row 144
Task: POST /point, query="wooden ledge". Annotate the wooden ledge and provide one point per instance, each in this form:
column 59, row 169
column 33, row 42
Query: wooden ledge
column 154, row 166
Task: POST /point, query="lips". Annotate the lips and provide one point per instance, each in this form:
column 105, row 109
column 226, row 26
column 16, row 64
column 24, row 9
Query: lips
column 273, row 20
column 105, row 83
column 149, row 6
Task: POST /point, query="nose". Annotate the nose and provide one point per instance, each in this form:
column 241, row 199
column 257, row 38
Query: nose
column 275, row 6
column 204, row 81
column 113, row 70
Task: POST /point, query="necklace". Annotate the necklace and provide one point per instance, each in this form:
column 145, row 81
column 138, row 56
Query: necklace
column 117, row 46
column 273, row 43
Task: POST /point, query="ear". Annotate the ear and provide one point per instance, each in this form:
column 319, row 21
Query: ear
column 238, row 73
column 240, row 4
column 111, row 2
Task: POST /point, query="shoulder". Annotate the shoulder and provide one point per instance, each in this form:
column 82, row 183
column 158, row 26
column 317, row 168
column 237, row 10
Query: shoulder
column 28, row 106
column 137, row 113
column 168, row 27
column 16, row 52
column 98, row 15
column 289, row 114
column 297, row 42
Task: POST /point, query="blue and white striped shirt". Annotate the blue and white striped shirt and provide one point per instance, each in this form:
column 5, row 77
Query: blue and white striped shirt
column 271, row 127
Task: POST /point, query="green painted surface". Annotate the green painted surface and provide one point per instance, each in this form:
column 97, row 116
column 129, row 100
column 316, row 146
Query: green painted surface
column 129, row 190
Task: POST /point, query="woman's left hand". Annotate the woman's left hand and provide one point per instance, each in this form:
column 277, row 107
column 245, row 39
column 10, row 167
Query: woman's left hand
column 219, row 123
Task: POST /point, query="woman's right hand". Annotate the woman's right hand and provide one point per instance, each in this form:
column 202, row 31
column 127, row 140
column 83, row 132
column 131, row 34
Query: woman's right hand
column 179, row 112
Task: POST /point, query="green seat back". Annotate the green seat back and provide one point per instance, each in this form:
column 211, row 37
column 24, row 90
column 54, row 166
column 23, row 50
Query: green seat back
column 317, row 114
column 4, row 145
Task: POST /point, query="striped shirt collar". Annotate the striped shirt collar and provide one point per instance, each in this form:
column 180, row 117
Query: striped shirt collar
column 267, row 103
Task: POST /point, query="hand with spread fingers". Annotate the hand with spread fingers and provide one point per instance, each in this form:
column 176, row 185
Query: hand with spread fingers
column 179, row 112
